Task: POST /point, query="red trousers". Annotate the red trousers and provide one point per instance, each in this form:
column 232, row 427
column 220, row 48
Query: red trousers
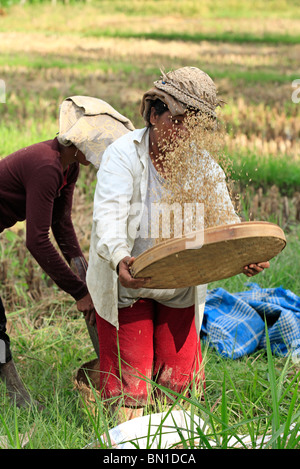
column 153, row 342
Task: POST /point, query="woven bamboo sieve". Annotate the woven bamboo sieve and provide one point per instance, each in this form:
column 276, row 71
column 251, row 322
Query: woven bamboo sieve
column 217, row 253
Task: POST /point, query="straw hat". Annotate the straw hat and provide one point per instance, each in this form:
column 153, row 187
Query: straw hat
column 187, row 87
column 91, row 125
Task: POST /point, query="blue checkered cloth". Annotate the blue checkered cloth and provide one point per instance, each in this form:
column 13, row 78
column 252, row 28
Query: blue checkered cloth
column 234, row 324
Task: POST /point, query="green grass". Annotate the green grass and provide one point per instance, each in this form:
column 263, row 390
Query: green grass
column 255, row 395
column 15, row 138
column 233, row 74
column 258, row 171
column 37, row 62
column 187, row 8
column 210, row 19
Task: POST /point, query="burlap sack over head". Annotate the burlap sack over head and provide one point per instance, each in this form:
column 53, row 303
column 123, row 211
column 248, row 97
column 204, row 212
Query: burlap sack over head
column 91, row 125
column 187, row 87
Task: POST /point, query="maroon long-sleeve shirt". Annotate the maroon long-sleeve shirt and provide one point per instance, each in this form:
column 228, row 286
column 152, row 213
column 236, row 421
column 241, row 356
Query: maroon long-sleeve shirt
column 33, row 187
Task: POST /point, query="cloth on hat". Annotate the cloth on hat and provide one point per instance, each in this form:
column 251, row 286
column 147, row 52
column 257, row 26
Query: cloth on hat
column 187, row 87
column 91, row 125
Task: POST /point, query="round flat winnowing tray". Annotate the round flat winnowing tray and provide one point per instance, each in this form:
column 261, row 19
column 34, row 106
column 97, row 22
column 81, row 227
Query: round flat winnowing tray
column 209, row 255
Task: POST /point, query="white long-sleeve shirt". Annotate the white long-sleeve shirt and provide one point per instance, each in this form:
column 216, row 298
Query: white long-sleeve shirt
column 118, row 207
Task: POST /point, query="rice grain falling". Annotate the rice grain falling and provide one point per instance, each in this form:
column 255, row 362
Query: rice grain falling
column 191, row 168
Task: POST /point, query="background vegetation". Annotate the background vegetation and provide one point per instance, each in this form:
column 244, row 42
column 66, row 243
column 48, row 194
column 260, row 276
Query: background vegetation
column 114, row 50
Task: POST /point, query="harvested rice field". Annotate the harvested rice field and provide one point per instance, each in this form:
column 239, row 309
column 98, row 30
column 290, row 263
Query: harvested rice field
column 114, row 51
